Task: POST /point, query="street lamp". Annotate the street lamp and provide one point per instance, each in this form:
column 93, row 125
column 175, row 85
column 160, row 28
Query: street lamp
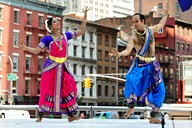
column 11, row 82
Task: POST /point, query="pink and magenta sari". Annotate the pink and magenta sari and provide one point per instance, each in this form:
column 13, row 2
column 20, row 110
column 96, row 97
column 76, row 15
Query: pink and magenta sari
column 57, row 88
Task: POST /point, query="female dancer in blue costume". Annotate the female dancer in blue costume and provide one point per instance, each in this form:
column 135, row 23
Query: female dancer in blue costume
column 58, row 88
column 144, row 82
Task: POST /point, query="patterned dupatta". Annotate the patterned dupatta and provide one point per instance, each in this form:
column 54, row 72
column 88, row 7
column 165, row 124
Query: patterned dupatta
column 142, row 51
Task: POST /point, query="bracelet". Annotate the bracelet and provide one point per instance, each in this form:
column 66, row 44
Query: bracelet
column 84, row 21
column 118, row 56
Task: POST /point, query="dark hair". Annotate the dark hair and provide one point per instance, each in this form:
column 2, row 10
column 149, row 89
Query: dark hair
column 142, row 17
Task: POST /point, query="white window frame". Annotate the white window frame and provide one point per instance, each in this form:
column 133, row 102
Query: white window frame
column 17, row 63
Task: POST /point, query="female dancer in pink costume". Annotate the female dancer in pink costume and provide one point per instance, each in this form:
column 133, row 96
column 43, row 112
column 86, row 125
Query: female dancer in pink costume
column 58, row 88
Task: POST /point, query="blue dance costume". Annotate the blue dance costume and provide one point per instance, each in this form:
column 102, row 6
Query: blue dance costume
column 144, row 82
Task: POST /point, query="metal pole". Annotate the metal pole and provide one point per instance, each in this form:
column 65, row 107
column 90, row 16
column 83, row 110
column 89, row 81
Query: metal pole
column 11, row 82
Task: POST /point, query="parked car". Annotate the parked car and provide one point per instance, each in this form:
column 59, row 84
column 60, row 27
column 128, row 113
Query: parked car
column 14, row 114
column 137, row 115
column 106, row 115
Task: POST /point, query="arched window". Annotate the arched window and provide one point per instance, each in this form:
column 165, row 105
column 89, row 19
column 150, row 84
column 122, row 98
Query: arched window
column 106, row 91
column 99, row 90
column 113, row 91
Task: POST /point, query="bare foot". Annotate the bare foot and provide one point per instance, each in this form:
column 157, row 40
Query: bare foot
column 154, row 121
column 39, row 119
column 72, row 118
column 128, row 113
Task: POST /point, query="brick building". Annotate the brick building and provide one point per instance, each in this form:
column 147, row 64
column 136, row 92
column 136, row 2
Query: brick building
column 157, row 6
column 23, row 20
column 106, row 88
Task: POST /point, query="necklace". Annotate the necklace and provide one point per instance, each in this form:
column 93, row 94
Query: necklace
column 58, row 45
column 141, row 34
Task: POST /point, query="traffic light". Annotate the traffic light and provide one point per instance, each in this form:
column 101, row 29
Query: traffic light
column 87, row 83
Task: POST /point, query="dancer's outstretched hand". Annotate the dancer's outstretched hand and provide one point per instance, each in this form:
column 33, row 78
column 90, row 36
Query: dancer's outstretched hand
column 21, row 44
column 114, row 52
column 85, row 12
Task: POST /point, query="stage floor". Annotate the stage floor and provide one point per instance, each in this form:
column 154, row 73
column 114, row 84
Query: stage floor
column 90, row 123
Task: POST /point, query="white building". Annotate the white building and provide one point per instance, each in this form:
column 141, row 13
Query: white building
column 100, row 8
column 82, row 57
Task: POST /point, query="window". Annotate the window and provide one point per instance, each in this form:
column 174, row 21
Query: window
column 161, row 58
column 40, row 21
column 40, row 64
column 113, row 42
column 91, row 36
column 99, row 69
column 106, row 40
column 29, row 17
column 178, row 30
column 28, row 63
column 99, row 39
column 1, row 13
column 91, row 90
column 16, row 16
column 66, row 29
column 160, row 5
column 83, row 90
column 27, row 84
column 91, row 53
column 178, row 46
column 182, row 31
column 113, row 91
column 83, row 52
column 1, row 64
column 75, row 69
column 126, row 60
column 14, row 87
column 106, row 55
column 166, row 58
column 106, row 69
column 178, row 7
column 178, row 59
column 28, row 39
column 106, row 91
column 1, row 37
column 0, row 82
column 112, row 59
column 120, row 59
column 83, row 70
column 15, row 63
column 16, row 38
column 83, row 37
column 99, row 90
column 91, row 69
column 178, row 15
column 38, row 87
column 112, row 70
column 183, row 47
column 187, row 47
column 99, row 55
column 160, row 15
column 74, row 50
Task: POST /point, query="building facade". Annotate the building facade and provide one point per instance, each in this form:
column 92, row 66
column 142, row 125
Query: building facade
column 158, row 6
column 107, row 89
column 82, row 57
column 23, row 20
column 101, row 8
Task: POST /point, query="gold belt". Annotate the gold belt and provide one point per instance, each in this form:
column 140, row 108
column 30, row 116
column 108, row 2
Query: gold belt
column 58, row 59
column 146, row 59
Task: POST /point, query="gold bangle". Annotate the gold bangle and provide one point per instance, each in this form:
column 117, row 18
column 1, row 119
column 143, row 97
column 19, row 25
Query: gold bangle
column 84, row 21
column 118, row 56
